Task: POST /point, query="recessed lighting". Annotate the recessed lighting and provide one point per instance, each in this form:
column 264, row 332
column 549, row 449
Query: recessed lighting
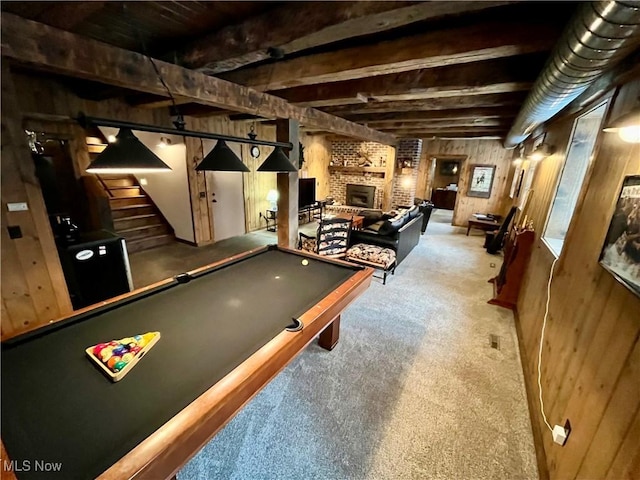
column 164, row 142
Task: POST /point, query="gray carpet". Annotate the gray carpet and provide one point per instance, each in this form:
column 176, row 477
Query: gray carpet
column 413, row 389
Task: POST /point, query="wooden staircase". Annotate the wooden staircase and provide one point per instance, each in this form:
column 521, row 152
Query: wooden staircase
column 135, row 216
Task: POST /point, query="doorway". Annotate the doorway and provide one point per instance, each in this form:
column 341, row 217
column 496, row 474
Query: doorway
column 228, row 202
column 443, row 178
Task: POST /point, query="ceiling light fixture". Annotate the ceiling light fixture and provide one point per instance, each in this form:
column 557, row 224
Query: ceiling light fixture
column 127, row 155
column 626, row 126
column 221, row 159
column 277, row 161
column 275, row 164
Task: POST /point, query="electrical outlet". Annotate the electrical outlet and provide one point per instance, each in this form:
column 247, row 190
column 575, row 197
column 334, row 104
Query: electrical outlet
column 561, row 434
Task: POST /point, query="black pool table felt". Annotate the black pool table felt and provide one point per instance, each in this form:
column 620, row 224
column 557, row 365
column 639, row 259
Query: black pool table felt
column 58, row 407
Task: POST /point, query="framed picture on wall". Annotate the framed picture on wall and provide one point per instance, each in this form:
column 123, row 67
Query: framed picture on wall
column 621, row 251
column 481, row 180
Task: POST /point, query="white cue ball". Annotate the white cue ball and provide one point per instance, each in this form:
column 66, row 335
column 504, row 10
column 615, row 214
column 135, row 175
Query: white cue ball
column 305, row 262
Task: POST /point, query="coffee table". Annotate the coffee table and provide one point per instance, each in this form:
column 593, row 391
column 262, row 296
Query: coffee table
column 486, row 225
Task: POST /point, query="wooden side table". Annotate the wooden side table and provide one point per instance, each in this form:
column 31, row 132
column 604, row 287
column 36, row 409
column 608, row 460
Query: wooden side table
column 486, row 225
column 271, row 218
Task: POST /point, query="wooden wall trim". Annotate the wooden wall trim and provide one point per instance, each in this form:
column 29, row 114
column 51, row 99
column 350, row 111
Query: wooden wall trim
column 531, row 389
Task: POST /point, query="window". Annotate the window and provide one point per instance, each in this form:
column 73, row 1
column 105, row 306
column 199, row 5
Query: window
column 585, row 132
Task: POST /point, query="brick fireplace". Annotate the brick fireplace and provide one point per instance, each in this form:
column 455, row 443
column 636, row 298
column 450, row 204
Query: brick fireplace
column 356, row 163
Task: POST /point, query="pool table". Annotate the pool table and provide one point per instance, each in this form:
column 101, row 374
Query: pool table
column 226, row 330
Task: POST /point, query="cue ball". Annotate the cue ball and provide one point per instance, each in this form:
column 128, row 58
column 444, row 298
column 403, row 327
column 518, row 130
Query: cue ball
column 305, row 262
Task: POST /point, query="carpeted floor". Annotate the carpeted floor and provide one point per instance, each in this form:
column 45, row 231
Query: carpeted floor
column 413, row 389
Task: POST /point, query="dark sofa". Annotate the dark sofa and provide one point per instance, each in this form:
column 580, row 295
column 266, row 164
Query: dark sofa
column 400, row 232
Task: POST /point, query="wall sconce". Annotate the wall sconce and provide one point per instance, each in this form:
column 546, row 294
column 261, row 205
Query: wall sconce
column 164, row 142
column 627, row 126
column 272, row 198
column 520, row 158
column 541, row 152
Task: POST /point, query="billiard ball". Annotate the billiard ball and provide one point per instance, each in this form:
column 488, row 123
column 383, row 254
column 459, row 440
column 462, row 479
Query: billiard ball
column 135, row 349
column 119, row 350
column 305, row 262
column 119, row 365
column 98, row 348
column 106, row 353
column 127, row 357
column 112, row 361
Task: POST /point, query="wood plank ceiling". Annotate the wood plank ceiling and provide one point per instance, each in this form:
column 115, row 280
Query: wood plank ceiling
column 410, row 69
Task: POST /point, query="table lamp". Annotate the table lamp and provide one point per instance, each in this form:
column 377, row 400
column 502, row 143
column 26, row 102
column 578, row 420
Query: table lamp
column 272, row 197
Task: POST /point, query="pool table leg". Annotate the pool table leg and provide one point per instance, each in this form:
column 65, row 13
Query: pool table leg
column 330, row 335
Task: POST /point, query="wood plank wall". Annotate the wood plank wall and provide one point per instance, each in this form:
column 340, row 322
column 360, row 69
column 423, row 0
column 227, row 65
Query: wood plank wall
column 591, row 353
column 487, row 152
column 317, row 155
column 33, row 287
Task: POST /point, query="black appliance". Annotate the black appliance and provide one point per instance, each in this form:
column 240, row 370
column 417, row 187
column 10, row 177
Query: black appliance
column 306, row 192
column 96, row 267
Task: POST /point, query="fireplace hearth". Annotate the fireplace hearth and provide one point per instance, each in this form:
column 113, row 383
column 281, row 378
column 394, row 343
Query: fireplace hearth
column 360, row 195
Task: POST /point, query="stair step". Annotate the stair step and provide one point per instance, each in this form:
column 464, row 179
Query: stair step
column 132, row 211
column 133, row 221
column 119, row 181
column 117, row 202
column 149, row 242
column 145, row 231
column 127, row 192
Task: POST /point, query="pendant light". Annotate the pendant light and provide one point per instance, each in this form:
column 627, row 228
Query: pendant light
column 222, row 159
column 277, row 161
column 127, row 155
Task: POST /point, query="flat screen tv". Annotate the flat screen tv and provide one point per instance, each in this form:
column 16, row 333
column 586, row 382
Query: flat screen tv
column 306, row 192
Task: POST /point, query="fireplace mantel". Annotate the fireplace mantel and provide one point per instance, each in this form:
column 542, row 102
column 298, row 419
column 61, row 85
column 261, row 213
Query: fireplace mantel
column 357, row 170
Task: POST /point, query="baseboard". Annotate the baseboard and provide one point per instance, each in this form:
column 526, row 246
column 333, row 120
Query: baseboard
column 532, row 402
column 188, row 242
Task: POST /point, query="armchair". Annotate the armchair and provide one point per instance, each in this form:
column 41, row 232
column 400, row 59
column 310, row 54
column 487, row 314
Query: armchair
column 332, row 238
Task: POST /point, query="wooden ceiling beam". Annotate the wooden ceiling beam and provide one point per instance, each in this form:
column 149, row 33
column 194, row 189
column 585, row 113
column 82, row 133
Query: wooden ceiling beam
column 492, row 122
column 48, row 48
column 301, row 26
column 476, row 78
column 434, row 115
column 451, row 103
column 147, row 100
column 433, row 49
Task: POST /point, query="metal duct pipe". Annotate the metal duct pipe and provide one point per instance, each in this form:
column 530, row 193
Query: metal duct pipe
column 599, row 35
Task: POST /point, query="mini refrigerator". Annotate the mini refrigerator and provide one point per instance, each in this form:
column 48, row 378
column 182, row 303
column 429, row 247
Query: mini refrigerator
column 96, row 267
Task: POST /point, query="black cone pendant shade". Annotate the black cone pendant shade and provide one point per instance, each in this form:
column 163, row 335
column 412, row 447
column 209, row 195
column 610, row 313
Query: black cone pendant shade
column 127, row 155
column 277, row 162
column 222, row 159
